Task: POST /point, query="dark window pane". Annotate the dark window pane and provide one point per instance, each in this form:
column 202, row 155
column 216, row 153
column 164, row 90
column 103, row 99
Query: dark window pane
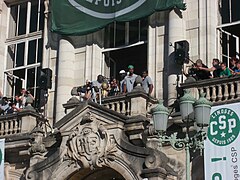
column 40, row 50
column 41, row 20
column 10, row 56
column 235, row 12
column 20, row 54
column 18, row 82
column 13, row 20
column 144, row 29
column 22, row 19
column 32, row 51
column 224, row 48
column 225, row 11
column 133, row 31
column 232, row 46
column 34, row 16
column 109, row 36
column 120, row 34
column 31, row 79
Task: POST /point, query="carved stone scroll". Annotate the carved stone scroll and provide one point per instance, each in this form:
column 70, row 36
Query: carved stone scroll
column 90, row 144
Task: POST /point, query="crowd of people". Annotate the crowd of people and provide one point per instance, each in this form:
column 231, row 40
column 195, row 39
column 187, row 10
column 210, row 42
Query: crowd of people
column 16, row 104
column 219, row 69
column 103, row 87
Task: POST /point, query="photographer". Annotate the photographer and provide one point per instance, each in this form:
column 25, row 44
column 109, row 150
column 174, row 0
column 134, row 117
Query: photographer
column 198, row 71
column 4, row 106
column 85, row 91
column 24, row 95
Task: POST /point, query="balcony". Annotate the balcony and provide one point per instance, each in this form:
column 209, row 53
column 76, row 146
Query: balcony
column 218, row 90
column 20, row 123
column 129, row 104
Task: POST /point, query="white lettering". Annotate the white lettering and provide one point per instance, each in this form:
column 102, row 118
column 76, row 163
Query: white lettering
column 106, row 3
column 231, row 124
column 222, row 122
column 119, row 1
column 212, row 132
column 96, row 2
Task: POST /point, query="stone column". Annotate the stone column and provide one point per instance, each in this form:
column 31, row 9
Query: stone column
column 65, row 75
column 46, row 48
column 176, row 31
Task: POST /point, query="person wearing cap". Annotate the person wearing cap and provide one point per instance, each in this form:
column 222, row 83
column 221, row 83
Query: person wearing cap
column 122, row 74
column 147, row 82
column 129, row 79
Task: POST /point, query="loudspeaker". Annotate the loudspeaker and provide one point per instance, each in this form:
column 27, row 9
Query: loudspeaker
column 181, row 51
column 45, row 79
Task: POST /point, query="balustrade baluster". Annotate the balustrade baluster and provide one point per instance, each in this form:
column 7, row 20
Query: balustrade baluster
column 1, row 128
column 213, row 93
column 15, row 126
column 226, row 94
column 122, row 108
column 232, row 92
column 220, row 94
column 208, row 93
column 238, row 89
column 118, row 107
column 10, row 126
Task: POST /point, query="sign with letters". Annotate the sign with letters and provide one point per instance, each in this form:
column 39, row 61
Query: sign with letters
column 78, row 17
column 222, row 147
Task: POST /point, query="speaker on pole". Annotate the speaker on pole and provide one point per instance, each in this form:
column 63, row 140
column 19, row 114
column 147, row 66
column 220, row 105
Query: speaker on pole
column 45, row 79
column 181, row 51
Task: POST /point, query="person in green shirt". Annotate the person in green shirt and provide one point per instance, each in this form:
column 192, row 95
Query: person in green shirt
column 225, row 70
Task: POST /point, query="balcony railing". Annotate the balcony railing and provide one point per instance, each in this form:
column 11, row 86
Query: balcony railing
column 218, row 90
column 19, row 123
column 129, row 104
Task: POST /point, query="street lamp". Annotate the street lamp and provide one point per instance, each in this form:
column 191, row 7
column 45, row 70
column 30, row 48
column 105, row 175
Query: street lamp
column 191, row 111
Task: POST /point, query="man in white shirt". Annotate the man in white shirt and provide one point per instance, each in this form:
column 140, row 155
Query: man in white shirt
column 129, row 80
column 147, row 82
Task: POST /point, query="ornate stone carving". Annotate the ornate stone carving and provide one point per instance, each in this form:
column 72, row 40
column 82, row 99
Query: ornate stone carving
column 90, row 143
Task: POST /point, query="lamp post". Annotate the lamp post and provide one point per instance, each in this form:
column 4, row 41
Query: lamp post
column 191, row 111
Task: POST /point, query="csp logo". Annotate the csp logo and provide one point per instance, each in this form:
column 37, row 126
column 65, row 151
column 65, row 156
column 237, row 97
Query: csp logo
column 224, row 127
column 106, row 9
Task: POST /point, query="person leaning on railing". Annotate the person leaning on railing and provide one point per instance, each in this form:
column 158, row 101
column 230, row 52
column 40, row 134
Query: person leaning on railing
column 215, row 69
column 233, row 62
column 237, row 70
column 198, row 71
column 225, row 70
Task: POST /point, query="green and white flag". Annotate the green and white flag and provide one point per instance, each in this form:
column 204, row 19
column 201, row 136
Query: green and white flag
column 222, row 147
column 78, row 17
column 2, row 148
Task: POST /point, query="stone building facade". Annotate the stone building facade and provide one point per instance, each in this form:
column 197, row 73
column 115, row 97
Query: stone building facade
column 117, row 144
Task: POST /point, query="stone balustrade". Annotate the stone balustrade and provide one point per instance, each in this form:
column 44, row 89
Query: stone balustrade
column 19, row 123
column 129, row 104
column 218, row 90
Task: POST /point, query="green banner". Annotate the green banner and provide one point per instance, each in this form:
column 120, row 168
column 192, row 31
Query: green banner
column 79, row 17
